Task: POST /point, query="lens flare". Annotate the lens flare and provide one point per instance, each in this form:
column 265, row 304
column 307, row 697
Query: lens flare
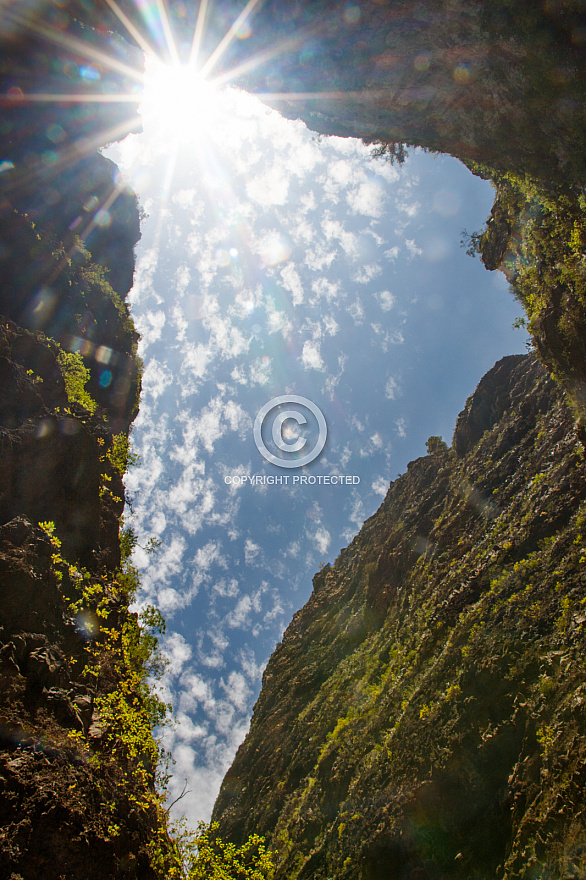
column 178, row 101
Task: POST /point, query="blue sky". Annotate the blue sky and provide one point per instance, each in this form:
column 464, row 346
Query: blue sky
column 274, row 262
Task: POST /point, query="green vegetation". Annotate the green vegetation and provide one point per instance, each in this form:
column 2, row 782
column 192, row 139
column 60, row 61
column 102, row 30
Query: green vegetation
column 76, row 375
column 208, row 857
column 536, row 235
column 121, row 455
column 393, row 151
column 123, row 662
column 435, row 445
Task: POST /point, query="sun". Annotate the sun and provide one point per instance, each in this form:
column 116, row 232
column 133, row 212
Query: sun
column 179, row 104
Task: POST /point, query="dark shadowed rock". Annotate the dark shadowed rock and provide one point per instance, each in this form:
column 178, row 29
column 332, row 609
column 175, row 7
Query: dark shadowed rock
column 497, row 391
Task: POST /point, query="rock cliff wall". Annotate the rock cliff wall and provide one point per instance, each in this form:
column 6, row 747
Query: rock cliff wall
column 78, row 761
column 424, row 713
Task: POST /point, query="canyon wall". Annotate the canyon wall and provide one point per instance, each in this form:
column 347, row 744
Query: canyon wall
column 78, row 761
column 424, row 713
column 495, row 82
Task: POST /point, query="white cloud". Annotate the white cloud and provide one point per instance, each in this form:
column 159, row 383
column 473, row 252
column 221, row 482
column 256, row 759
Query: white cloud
column 319, row 257
column 277, row 321
column 251, row 669
column 366, row 273
column 251, row 551
column 414, row 251
column 178, row 319
column 392, row 388
column 276, row 611
column 367, row 199
column 356, row 310
column 357, row 510
column 237, row 690
column 144, row 273
column 212, row 644
column 386, row 300
column 207, row 555
column 226, row 588
column 331, row 326
column 311, row 357
column 269, row 188
column 158, row 522
column 203, row 779
column 156, row 378
column 185, row 489
column 302, row 161
column 334, row 230
column 225, row 338
column 177, row 651
column 394, row 337
column 239, row 617
column 186, row 730
column 238, row 420
column 196, row 359
column 345, row 457
column 195, row 691
column 208, row 427
column 292, row 282
column 380, row 486
column 150, row 326
column 186, row 198
column 321, row 538
column 324, row 288
column 411, row 209
column 168, row 560
column 169, row 600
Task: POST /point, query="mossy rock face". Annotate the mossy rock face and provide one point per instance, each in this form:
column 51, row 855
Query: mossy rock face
column 59, row 291
column 77, row 751
column 77, row 754
column 76, row 779
column 536, row 235
column 70, row 805
column 424, row 713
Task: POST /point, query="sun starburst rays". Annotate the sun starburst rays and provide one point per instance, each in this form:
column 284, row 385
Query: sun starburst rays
column 74, row 45
column 179, row 102
column 229, row 37
column 182, row 93
column 183, row 100
column 131, row 28
column 198, row 33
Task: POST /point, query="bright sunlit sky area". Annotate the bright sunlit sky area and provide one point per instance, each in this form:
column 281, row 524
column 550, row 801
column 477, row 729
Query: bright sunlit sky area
column 275, row 262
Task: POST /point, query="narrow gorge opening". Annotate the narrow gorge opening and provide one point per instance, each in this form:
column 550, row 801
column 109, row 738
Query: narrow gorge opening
column 275, row 261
